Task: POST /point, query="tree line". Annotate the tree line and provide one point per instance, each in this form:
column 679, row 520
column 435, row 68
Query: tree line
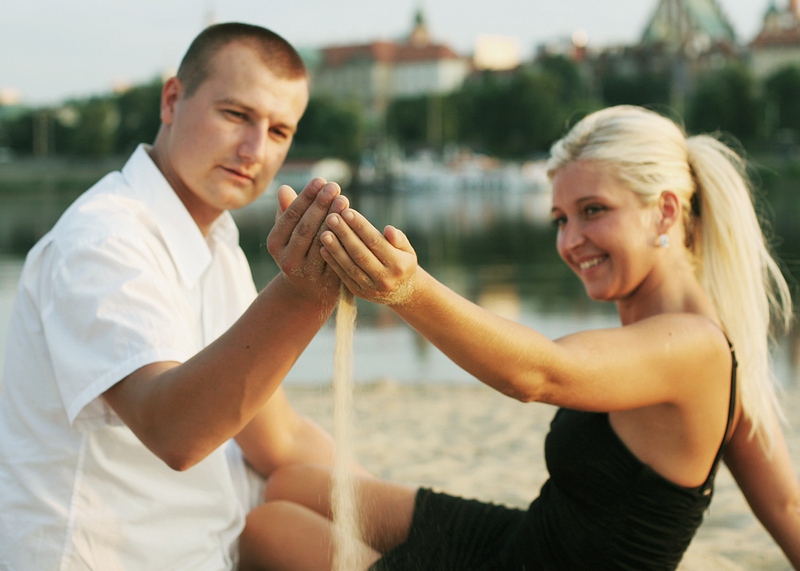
column 521, row 114
column 511, row 115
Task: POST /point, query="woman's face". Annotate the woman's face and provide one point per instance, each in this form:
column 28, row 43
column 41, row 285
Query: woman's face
column 605, row 234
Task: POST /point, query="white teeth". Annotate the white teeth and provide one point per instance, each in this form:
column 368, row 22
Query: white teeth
column 591, row 263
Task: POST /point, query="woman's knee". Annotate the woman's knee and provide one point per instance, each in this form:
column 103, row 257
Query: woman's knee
column 266, row 522
column 304, row 484
column 279, row 532
column 276, row 521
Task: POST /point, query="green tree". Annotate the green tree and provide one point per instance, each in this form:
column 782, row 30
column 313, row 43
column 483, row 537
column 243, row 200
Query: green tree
column 572, row 87
column 18, row 132
column 139, row 112
column 513, row 117
column 407, row 121
column 725, row 101
column 782, row 97
column 330, row 129
column 93, row 133
column 643, row 88
column 427, row 121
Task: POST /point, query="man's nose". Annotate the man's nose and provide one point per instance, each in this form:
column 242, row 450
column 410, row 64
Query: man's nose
column 254, row 145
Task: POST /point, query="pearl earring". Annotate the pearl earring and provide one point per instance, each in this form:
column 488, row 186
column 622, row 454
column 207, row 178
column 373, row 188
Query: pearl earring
column 663, row 241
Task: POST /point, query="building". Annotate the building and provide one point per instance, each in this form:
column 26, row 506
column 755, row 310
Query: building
column 690, row 26
column 777, row 45
column 374, row 73
column 683, row 40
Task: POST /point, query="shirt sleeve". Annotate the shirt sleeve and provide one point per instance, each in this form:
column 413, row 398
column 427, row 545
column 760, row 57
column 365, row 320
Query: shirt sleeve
column 114, row 306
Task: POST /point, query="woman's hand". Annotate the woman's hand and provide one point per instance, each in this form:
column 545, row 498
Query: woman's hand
column 377, row 267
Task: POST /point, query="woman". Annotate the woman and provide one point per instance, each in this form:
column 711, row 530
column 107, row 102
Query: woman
column 663, row 226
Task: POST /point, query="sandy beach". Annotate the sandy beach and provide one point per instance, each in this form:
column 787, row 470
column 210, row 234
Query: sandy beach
column 473, row 441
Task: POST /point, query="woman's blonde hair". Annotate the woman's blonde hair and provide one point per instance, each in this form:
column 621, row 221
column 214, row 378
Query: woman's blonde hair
column 650, row 153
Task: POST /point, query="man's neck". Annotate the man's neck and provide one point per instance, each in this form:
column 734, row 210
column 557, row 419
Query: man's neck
column 200, row 213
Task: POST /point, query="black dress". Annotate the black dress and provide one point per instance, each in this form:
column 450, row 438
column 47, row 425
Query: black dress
column 602, row 508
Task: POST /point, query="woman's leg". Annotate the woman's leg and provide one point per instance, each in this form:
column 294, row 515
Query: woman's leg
column 385, row 509
column 286, row 536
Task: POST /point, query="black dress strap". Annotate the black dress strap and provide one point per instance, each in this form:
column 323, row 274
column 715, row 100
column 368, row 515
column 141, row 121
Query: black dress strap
column 728, row 427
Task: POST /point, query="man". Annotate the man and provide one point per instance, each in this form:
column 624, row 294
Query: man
column 139, row 347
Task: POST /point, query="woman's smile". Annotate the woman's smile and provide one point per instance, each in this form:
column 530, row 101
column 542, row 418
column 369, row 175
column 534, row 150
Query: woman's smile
column 589, row 264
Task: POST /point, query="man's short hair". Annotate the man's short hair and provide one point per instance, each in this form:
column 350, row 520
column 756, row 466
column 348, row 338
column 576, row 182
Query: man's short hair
column 277, row 54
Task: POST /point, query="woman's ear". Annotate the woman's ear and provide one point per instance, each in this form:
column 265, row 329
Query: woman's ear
column 669, row 208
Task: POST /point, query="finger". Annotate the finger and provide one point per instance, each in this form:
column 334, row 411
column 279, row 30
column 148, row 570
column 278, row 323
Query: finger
column 292, row 207
column 339, row 204
column 314, row 261
column 350, row 250
column 286, row 196
column 358, row 233
column 344, row 259
column 291, row 238
column 334, row 265
column 313, row 218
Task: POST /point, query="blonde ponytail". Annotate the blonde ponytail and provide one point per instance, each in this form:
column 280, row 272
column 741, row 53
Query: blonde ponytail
column 734, row 264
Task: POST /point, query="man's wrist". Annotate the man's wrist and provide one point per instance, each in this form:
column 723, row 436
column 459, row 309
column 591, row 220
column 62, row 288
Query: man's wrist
column 316, row 296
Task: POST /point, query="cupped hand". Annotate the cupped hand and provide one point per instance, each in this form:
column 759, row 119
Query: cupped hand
column 294, row 241
column 375, row 266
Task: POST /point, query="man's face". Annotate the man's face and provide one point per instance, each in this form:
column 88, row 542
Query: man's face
column 225, row 142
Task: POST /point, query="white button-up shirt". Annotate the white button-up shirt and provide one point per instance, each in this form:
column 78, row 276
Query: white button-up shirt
column 124, row 279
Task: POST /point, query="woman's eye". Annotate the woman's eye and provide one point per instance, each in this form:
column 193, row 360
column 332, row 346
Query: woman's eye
column 593, row 209
column 559, row 221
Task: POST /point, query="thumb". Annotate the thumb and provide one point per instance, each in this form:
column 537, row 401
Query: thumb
column 397, row 238
column 286, row 196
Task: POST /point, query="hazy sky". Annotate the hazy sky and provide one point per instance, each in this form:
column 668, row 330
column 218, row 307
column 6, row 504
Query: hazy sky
column 51, row 50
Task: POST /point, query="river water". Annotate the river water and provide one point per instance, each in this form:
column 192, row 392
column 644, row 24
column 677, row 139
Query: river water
column 386, row 349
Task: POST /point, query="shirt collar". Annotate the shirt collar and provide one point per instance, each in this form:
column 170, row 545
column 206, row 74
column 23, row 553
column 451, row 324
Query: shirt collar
column 190, row 250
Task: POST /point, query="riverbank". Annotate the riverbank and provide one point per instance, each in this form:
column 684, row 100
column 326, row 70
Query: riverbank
column 472, row 441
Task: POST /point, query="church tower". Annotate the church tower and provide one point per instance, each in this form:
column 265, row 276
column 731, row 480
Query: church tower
column 694, row 25
column 419, row 33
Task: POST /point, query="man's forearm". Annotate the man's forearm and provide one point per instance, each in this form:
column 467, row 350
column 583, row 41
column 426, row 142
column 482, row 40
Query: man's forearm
column 185, row 411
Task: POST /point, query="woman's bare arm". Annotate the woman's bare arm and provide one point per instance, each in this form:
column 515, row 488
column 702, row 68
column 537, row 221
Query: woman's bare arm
column 769, row 483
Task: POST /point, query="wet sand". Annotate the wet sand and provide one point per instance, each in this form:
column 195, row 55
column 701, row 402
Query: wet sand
column 470, row 440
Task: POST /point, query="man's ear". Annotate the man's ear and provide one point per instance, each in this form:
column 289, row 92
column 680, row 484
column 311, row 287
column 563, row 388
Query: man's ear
column 170, row 94
column 669, row 208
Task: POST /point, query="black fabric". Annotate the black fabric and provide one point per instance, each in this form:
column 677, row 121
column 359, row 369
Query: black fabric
column 451, row 533
column 602, row 508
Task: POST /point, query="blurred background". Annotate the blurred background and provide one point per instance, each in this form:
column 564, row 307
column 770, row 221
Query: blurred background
column 434, row 116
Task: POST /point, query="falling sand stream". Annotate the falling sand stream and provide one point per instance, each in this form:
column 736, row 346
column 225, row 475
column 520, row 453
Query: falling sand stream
column 345, row 512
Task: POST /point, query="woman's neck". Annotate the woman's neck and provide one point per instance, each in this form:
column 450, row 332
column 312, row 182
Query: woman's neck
column 675, row 291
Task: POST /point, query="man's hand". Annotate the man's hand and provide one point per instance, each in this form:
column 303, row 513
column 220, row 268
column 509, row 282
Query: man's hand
column 294, row 241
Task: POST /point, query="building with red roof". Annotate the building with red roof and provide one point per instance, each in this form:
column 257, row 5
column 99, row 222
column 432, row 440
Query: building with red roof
column 374, row 73
column 777, row 45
